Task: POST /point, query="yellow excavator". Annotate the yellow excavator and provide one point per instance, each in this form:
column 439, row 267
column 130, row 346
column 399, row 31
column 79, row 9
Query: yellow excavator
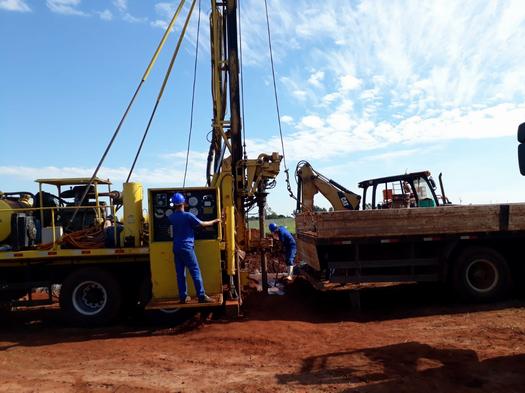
column 310, row 182
column 408, row 190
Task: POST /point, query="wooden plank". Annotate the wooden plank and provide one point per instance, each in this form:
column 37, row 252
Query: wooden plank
column 407, row 222
column 516, row 217
column 307, row 251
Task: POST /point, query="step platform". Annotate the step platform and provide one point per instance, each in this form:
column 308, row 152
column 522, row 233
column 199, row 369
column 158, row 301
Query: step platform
column 157, row 304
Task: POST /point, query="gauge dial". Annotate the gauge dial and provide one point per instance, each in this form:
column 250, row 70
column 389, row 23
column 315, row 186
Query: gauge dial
column 193, row 201
column 194, row 211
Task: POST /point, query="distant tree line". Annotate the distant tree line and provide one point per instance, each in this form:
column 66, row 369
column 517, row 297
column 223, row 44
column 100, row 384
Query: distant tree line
column 271, row 215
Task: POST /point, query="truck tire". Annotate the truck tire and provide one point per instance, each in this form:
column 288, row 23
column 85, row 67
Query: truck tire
column 481, row 274
column 90, row 297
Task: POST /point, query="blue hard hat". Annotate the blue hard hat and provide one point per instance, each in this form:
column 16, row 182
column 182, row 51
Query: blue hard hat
column 178, row 199
column 272, row 226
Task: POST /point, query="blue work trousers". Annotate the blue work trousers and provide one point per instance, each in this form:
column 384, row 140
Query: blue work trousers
column 290, row 254
column 186, row 258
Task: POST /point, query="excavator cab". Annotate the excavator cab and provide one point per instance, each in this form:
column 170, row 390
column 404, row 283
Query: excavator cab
column 417, row 189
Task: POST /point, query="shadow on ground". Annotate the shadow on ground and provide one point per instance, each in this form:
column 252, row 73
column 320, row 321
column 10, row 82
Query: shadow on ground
column 303, row 303
column 44, row 326
column 410, row 367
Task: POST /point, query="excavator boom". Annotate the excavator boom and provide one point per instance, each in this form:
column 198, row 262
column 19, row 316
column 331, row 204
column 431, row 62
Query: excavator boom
column 310, row 182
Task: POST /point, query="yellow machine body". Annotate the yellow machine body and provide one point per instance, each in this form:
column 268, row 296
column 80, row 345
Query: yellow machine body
column 204, row 202
column 5, row 220
column 132, row 220
column 164, row 278
column 6, row 211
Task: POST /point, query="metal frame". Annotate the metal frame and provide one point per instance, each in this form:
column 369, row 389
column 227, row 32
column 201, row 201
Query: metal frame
column 408, row 177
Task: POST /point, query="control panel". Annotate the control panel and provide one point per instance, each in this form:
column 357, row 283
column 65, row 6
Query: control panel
column 202, row 202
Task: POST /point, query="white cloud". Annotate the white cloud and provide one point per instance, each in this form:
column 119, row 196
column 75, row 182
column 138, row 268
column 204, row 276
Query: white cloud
column 369, row 94
column 14, row 5
column 287, row 119
column 254, row 36
column 342, row 134
column 122, row 8
column 121, row 5
column 329, row 98
column 316, row 78
column 394, row 155
column 105, row 15
column 350, row 82
column 312, row 122
column 160, row 24
column 451, row 72
column 165, row 12
column 127, row 17
column 66, row 7
column 158, row 176
column 199, row 156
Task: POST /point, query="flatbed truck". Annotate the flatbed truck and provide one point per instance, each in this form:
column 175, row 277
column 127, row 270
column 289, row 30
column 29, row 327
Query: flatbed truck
column 411, row 234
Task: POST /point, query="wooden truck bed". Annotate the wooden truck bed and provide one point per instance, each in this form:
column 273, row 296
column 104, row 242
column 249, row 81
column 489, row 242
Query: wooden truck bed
column 328, row 239
column 410, row 222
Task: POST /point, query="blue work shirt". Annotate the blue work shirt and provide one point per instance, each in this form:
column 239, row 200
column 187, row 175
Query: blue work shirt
column 184, row 225
column 286, row 238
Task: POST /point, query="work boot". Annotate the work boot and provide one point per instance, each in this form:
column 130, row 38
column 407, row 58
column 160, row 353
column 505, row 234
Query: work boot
column 290, row 273
column 206, row 299
column 187, row 299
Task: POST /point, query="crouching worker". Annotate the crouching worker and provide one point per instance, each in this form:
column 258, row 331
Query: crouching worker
column 288, row 242
column 184, row 225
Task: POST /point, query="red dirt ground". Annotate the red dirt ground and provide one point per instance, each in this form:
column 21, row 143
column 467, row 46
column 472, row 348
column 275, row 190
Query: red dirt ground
column 407, row 338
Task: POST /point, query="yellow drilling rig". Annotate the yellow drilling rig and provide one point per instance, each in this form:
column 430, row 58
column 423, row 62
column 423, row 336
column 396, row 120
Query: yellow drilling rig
column 66, row 235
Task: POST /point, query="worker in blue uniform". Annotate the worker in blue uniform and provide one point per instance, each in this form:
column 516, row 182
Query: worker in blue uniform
column 184, row 225
column 289, row 245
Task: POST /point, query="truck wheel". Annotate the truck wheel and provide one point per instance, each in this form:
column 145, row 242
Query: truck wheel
column 481, row 274
column 91, row 297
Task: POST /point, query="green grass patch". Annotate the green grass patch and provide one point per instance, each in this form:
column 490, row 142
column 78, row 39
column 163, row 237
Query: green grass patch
column 289, row 223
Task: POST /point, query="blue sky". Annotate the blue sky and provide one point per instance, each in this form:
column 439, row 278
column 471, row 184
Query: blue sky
column 367, row 89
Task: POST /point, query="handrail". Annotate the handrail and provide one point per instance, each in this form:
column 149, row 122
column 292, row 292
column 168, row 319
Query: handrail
column 56, row 208
column 52, row 209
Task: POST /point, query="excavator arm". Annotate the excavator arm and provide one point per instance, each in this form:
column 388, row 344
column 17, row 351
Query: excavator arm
column 310, row 182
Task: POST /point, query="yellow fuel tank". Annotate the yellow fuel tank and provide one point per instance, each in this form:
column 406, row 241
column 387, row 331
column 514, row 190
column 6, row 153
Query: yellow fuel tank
column 6, row 210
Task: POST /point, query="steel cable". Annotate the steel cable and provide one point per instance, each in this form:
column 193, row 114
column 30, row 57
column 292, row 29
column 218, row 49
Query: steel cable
column 128, row 108
column 288, row 186
column 242, row 84
column 161, row 92
column 192, row 96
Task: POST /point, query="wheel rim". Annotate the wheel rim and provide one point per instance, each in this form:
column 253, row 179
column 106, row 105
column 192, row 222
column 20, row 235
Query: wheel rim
column 482, row 275
column 89, row 298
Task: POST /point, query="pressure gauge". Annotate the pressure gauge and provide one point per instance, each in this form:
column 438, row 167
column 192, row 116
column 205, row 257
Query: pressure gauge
column 159, row 213
column 193, row 201
column 161, row 200
column 194, row 211
column 169, row 212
